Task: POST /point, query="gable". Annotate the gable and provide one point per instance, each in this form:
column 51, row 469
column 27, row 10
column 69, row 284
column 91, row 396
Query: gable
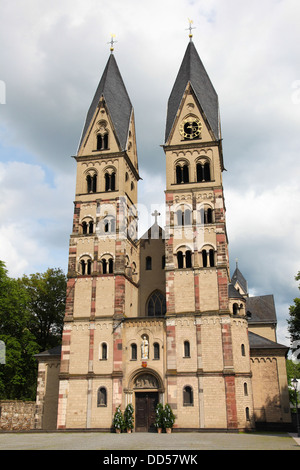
column 190, row 113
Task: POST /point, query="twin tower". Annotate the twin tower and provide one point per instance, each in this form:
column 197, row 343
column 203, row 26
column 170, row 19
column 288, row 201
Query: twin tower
column 153, row 319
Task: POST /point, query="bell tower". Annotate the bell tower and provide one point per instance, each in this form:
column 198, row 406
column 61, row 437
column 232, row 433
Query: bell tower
column 197, row 263
column 196, row 225
column 103, row 255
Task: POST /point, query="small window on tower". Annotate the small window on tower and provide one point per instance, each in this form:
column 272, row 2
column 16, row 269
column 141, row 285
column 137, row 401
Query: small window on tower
column 91, row 182
column 110, row 181
column 156, row 351
column 148, row 263
column 133, row 352
column 186, row 349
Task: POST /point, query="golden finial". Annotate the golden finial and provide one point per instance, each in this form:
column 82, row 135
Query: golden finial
column 190, row 29
column 112, row 42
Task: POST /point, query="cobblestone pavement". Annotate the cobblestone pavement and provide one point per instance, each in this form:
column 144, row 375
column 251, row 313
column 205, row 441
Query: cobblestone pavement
column 148, row 441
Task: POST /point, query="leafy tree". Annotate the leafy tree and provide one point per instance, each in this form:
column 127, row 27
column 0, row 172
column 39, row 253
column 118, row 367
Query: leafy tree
column 47, row 294
column 294, row 322
column 293, row 371
column 18, row 374
column 31, row 320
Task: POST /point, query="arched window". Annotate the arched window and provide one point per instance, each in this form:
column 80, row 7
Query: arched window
column 209, row 216
column 110, row 181
column 188, row 259
column 102, row 135
column 204, row 258
column 206, row 215
column 85, row 266
column 188, row 399
column 84, row 227
column 107, row 264
column 203, row 172
column 91, row 183
column 187, row 217
column 87, row 227
column 148, row 263
column 110, row 265
column 247, row 414
column 179, row 216
column 109, row 224
column 186, row 349
column 103, row 352
column 211, row 258
column 102, row 397
column 184, row 259
column 82, row 267
column 185, row 173
column 156, row 351
column 89, row 266
column 235, row 309
column 208, row 258
column 245, row 389
column 104, row 266
column 243, row 352
column 184, row 215
column 182, row 173
column 156, row 305
column 178, row 174
column 133, row 352
column 180, row 259
column 102, row 141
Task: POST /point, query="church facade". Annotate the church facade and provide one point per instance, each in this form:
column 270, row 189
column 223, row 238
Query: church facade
column 159, row 319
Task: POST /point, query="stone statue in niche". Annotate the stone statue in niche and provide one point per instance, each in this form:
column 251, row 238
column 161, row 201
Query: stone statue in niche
column 145, row 348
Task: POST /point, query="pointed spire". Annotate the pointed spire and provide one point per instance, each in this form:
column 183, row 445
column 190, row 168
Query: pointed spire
column 192, row 71
column 112, row 88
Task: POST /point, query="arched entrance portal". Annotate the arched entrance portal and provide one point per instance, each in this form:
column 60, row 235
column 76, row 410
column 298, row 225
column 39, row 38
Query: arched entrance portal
column 147, row 388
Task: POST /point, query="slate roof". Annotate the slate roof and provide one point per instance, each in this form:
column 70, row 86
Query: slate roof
column 233, row 293
column 50, row 352
column 261, row 308
column 259, row 342
column 112, row 88
column 238, row 277
column 192, row 70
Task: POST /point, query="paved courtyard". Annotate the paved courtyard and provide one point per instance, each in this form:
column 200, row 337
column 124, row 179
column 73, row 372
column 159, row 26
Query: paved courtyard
column 148, row 441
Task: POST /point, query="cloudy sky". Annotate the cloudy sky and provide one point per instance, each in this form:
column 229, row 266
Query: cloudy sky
column 52, row 56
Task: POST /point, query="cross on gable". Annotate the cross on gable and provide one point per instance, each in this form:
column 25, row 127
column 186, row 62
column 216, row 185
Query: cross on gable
column 112, row 42
column 190, row 29
column 156, row 214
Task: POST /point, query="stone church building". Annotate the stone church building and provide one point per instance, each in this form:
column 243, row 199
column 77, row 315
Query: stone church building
column 159, row 318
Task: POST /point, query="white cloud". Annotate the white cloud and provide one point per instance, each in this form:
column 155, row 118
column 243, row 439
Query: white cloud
column 35, row 218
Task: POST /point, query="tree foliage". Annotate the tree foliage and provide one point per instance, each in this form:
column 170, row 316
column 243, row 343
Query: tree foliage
column 294, row 321
column 31, row 319
column 46, row 293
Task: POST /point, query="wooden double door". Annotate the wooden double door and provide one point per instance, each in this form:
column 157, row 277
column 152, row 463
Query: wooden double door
column 145, row 404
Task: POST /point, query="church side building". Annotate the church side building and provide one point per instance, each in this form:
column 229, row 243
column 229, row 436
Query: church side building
column 158, row 319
